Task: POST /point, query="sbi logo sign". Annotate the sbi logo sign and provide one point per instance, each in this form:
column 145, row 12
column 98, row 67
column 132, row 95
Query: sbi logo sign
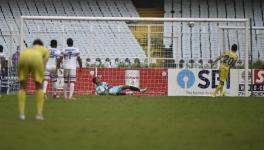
column 186, row 79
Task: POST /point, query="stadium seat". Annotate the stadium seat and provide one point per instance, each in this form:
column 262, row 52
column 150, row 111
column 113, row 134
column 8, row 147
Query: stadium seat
column 79, row 31
column 212, row 9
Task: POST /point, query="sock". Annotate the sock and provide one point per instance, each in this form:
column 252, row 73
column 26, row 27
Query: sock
column 65, row 88
column 40, row 101
column 45, row 85
column 54, row 88
column 71, row 89
column 21, row 101
column 134, row 88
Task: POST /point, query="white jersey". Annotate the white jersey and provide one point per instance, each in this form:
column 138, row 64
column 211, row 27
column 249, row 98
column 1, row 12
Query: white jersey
column 2, row 58
column 70, row 55
column 54, row 54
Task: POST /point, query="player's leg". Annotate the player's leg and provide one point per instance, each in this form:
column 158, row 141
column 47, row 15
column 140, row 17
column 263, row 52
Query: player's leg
column 22, row 100
column 222, row 88
column 46, row 81
column 54, row 85
column 65, row 86
column 223, row 73
column 22, row 75
column 39, row 100
column 223, row 77
column 218, row 88
column 38, row 76
column 72, row 82
column 132, row 88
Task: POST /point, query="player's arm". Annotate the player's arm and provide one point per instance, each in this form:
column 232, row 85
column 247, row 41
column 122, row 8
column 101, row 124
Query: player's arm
column 79, row 62
column 217, row 59
column 45, row 60
column 234, row 64
column 46, row 56
column 1, row 61
column 59, row 61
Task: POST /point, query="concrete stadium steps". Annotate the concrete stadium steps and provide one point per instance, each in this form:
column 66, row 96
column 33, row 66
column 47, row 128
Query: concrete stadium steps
column 140, row 32
column 150, row 12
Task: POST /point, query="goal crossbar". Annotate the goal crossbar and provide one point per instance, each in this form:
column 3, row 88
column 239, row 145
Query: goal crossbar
column 134, row 19
column 237, row 27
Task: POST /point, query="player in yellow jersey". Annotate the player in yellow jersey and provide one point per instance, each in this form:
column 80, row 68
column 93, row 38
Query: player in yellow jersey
column 32, row 60
column 228, row 60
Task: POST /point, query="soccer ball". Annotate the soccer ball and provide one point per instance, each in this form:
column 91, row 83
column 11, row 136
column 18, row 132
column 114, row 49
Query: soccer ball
column 191, row 24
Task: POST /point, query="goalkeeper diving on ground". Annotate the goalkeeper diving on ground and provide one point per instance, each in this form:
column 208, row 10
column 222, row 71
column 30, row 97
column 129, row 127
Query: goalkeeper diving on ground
column 103, row 88
column 228, row 60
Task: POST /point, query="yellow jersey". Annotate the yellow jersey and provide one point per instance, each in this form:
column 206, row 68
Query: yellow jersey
column 230, row 58
column 37, row 52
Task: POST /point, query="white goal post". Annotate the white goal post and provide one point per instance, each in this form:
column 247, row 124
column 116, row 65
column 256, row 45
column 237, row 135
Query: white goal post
column 245, row 24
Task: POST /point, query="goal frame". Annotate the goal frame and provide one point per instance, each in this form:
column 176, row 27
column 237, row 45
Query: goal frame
column 245, row 21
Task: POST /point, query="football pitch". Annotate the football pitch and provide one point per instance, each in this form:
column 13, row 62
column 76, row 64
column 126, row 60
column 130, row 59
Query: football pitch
column 135, row 123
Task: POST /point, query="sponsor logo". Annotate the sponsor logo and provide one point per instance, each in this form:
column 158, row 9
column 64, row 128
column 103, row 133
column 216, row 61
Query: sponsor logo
column 259, row 77
column 185, row 79
column 204, row 79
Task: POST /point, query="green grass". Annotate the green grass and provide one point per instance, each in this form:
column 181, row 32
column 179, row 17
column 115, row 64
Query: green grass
column 135, row 123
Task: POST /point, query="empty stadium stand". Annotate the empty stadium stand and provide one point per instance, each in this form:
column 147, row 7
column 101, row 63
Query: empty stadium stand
column 115, row 39
column 204, row 35
column 94, row 39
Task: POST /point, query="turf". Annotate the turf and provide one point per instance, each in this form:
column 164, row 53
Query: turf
column 135, row 123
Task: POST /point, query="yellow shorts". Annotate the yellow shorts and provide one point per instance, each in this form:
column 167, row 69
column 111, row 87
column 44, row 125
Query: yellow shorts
column 223, row 72
column 33, row 65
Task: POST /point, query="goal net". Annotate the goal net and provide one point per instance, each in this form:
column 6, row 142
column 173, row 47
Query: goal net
column 168, row 56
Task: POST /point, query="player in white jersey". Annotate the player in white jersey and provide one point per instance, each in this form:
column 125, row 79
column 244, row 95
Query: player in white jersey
column 51, row 68
column 2, row 59
column 3, row 62
column 70, row 55
column 2, row 56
